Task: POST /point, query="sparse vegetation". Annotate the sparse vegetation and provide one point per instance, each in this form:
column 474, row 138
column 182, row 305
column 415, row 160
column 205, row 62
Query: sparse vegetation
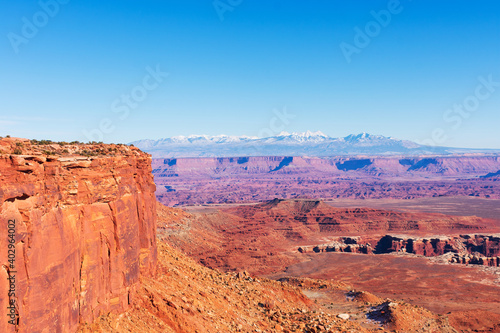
column 87, row 153
column 17, row 151
column 41, row 142
column 19, row 144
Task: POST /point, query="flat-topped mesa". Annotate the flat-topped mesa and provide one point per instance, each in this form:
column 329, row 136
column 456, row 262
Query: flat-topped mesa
column 85, row 230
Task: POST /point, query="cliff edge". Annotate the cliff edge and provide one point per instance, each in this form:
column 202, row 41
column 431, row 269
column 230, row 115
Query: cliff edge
column 78, row 226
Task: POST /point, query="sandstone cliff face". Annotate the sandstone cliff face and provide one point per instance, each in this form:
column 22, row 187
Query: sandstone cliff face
column 85, row 231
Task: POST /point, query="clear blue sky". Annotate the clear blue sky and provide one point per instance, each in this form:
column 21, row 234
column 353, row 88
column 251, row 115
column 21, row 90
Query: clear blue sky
column 233, row 64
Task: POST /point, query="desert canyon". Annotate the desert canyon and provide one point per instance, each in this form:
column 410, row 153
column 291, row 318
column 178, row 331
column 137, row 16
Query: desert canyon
column 248, row 244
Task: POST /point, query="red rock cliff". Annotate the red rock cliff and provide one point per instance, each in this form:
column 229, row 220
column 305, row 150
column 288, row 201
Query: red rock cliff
column 85, row 231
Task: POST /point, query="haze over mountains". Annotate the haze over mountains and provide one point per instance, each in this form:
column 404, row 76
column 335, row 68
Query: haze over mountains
column 291, row 144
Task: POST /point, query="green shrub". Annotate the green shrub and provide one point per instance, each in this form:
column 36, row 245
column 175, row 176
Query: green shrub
column 41, row 142
column 17, row 151
column 87, row 153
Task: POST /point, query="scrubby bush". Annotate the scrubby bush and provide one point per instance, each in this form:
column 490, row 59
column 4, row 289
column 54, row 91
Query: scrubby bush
column 87, row 153
column 17, row 151
column 41, row 142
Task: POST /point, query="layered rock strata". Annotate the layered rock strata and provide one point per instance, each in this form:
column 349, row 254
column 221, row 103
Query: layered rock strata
column 84, row 232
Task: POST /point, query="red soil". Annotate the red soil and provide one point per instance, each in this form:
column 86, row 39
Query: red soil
column 264, row 240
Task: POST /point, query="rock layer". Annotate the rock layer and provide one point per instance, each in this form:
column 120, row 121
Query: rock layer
column 192, row 181
column 465, row 249
column 85, row 231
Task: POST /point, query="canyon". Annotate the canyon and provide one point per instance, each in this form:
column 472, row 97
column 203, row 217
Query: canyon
column 436, row 261
column 265, row 238
column 95, row 251
column 198, row 181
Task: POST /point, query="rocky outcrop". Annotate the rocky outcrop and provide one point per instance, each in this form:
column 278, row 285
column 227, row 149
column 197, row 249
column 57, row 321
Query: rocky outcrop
column 474, row 259
column 473, row 249
column 85, row 232
column 429, row 247
column 483, row 245
column 341, row 244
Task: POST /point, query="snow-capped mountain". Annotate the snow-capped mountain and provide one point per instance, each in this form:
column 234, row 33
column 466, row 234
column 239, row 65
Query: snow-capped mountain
column 289, row 144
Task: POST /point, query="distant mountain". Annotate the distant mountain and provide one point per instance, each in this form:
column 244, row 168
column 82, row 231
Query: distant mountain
column 291, row 144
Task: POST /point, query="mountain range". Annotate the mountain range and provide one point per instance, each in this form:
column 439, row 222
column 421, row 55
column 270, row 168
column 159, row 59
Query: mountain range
column 291, row 144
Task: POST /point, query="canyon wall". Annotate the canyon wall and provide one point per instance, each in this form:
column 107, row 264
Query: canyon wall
column 194, row 181
column 84, row 232
column 436, row 166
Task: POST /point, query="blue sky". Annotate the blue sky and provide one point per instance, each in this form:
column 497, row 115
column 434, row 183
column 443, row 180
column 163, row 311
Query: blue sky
column 427, row 71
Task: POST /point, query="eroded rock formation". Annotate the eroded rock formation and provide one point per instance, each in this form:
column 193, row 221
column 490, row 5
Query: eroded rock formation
column 192, row 181
column 472, row 249
column 85, row 231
